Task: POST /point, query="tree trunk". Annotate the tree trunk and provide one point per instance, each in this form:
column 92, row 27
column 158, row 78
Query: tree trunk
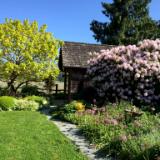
column 11, row 89
column 11, row 86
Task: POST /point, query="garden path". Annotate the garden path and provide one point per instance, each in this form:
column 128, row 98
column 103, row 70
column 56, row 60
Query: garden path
column 72, row 132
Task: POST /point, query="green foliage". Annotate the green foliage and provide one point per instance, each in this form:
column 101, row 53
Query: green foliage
column 58, row 113
column 27, row 105
column 49, row 83
column 30, row 103
column 7, row 103
column 70, row 108
column 127, row 20
column 60, row 96
column 3, row 91
column 28, row 90
column 88, row 94
column 27, row 52
column 109, row 129
column 142, row 147
column 74, row 106
column 40, row 100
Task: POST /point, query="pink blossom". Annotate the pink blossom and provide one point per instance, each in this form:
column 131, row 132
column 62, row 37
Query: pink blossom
column 114, row 122
column 119, row 68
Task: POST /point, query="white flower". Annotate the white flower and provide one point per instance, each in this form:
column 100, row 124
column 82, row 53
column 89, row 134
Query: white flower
column 137, row 75
column 145, row 94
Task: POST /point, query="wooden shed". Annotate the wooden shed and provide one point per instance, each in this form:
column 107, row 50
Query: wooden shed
column 73, row 60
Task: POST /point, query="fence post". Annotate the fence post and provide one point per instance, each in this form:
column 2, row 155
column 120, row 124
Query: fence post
column 56, row 89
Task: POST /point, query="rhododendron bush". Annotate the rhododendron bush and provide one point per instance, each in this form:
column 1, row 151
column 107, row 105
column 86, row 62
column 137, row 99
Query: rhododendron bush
column 128, row 72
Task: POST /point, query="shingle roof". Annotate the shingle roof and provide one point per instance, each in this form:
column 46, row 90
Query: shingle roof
column 76, row 54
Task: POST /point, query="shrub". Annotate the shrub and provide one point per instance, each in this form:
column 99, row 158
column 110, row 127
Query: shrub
column 28, row 105
column 88, row 94
column 60, row 96
column 49, row 83
column 11, row 103
column 41, row 100
column 128, row 72
column 74, row 106
column 28, row 90
column 139, row 148
column 137, row 139
column 3, row 91
column 7, row 103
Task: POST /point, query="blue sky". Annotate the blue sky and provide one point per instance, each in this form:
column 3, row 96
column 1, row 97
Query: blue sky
column 67, row 19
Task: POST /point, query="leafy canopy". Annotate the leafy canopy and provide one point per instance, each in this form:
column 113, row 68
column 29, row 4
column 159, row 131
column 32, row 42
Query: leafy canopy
column 27, row 52
column 128, row 22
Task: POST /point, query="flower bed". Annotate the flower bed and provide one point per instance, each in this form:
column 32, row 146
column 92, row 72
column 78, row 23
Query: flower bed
column 119, row 133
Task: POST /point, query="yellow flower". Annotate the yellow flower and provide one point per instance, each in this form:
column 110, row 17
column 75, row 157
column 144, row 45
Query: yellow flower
column 79, row 106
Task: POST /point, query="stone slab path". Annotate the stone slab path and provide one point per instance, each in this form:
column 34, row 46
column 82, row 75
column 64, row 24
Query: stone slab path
column 72, row 132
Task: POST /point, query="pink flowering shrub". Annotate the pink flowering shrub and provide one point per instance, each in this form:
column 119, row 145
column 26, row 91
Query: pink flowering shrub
column 128, row 72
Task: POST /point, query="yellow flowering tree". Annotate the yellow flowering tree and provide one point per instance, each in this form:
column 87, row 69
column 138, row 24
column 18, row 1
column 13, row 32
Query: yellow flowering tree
column 27, row 53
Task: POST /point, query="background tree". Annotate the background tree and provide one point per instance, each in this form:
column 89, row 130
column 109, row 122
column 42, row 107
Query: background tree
column 27, row 53
column 49, row 83
column 128, row 23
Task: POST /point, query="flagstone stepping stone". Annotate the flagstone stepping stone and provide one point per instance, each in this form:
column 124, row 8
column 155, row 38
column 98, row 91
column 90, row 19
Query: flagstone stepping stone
column 73, row 133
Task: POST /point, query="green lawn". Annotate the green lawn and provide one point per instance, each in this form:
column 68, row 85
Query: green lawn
column 30, row 136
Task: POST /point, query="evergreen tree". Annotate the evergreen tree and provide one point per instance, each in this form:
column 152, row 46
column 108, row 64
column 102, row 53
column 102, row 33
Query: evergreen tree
column 129, row 22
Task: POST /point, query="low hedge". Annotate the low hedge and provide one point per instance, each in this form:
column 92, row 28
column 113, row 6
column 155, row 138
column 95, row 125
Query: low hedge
column 30, row 103
column 7, row 103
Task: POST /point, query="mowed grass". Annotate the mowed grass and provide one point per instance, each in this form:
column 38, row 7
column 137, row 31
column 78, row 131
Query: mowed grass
column 30, row 136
